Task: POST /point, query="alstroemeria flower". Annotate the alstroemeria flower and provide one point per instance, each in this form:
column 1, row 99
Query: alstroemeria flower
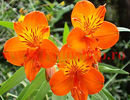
column 75, row 74
column 77, row 40
column 31, row 48
column 91, row 21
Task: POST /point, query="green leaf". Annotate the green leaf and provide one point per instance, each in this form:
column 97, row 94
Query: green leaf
column 42, row 91
column 97, row 97
column 114, row 76
column 103, row 95
column 35, row 84
column 18, row 76
column 23, row 92
column 54, row 97
column 111, row 69
column 108, row 94
column 105, row 51
column 65, row 33
column 123, row 29
column 69, row 96
column 7, row 24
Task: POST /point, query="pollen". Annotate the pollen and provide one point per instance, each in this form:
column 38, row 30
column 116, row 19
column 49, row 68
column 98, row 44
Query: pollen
column 33, row 36
column 73, row 67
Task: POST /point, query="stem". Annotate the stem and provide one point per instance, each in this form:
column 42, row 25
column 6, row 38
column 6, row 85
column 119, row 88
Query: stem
column 115, row 75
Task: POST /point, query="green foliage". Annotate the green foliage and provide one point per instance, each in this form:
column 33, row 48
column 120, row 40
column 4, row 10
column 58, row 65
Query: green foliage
column 7, row 24
column 103, row 95
column 35, row 84
column 54, row 97
column 110, row 69
column 123, row 29
column 65, row 33
column 13, row 81
column 39, row 89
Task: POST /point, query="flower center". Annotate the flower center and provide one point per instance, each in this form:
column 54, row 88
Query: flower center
column 75, row 67
column 34, row 36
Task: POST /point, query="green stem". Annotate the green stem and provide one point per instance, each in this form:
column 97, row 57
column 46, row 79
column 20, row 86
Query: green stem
column 115, row 75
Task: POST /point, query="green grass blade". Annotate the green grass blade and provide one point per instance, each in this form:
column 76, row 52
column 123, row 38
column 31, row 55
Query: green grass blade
column 35, row 84
column 65, row 33
column 23, row 92
column 69, row 96
column 111, row 69
column 116, row 75
column 7, row 24
column 123, row 29
column 97, row 97
column 42, row 91
column 18, row 76
column 108, row 94
column 54, row 97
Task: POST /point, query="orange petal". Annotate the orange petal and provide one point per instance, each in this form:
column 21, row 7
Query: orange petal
column 18, row 28
column 67, row 53
column 95, row 20
column 15, row 51
column 47, row 53
column 107, row 35
column 34, row 19
column 77, row 40
column 92, row 81
column 78, row 94
column 32, row 67
column 60, row 85
column 81, row 9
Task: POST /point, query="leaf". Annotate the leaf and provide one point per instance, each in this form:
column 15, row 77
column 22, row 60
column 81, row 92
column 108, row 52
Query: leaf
column 7, row 24
column 69, row 96
column 103, row 95
column 97, row 97
column 35, row 84
column 111, row 69
column 54, row 97
column 123, row 29
column 114, row 76
column 23, row 92
column 108, row 94
column 42, row 91
column 65, row 33
column 14, row 80
column 105, row 51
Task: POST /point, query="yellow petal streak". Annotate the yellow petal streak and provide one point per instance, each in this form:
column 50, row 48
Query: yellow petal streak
column 92, row 22
column 33, row 36
column 74, row 68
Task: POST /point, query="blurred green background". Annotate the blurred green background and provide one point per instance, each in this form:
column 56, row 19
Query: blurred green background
column 58, row 12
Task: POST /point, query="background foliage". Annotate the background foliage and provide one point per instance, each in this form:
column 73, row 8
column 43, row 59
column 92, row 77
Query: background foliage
column 13, row 82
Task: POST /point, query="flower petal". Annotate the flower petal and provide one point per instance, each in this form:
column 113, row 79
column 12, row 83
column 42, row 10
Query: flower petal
column 47, row 53
column 66, row 53
column 78, row 94
column 34, row 19
column 60, row 85
column 32, row 67
column 77, row 40
column 107, row 35
column 15, row 51
column 81, row 9
column 19, row 29
column 92, row 81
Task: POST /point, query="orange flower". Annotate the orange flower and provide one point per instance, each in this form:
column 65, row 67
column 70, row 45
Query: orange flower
column 77, row 40
column 91, row 21
column 75, row 74
column 31, row 48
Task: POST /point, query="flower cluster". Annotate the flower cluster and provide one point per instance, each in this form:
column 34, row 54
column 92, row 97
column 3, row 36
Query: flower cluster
column 77, row 59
